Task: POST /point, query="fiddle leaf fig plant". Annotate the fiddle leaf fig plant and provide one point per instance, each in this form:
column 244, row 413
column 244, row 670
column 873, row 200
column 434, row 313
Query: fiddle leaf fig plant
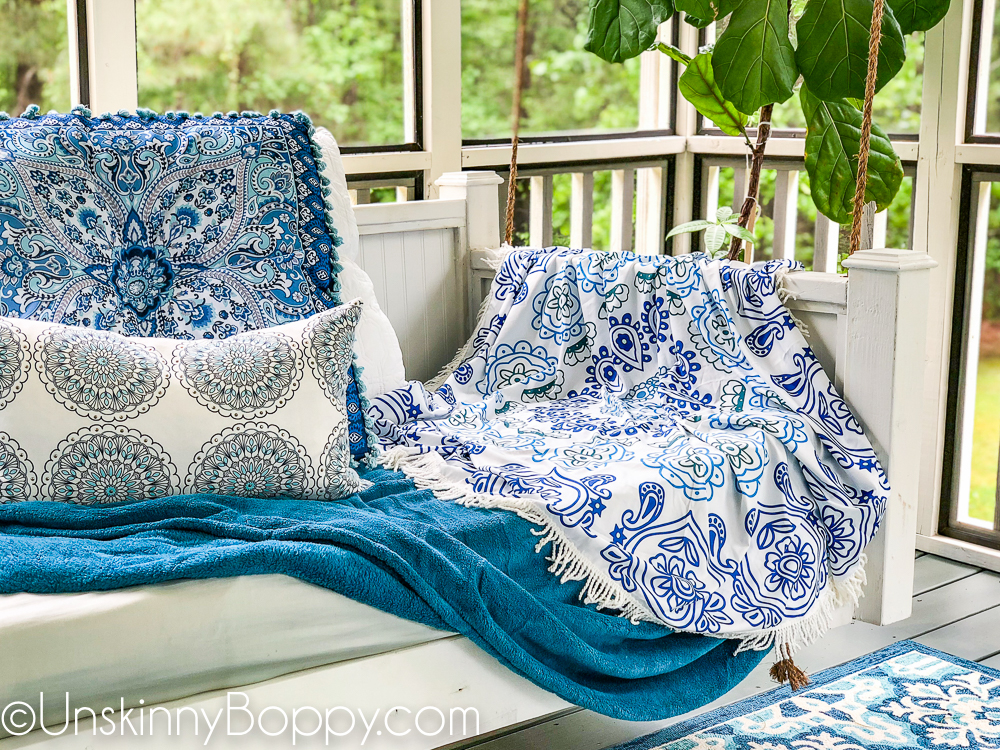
column 767, row 49
column 716, row 232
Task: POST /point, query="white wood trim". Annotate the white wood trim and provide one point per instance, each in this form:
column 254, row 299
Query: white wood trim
column 827, row 244
column 622, row 192
column 955, row 549
column 883, row 379
column 987, row 154
column 385, row 218
column 540, row 224
column 409, row 64
column 653, row 147
column 786, row 212
column 581, row 210
column 935, row 231
column 776, row 146
column 396, row 161
column 447, row 673
column 686, row 125
column 111, row 43
column 442, row 95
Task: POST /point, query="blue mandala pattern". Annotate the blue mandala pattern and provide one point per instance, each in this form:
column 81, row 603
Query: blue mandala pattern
column 243, row 376
column 15, row 362
column 331, row 352
column 98, row 375
column 17, row 475
column 101, row 464
column 736, row 488
column 252, row 460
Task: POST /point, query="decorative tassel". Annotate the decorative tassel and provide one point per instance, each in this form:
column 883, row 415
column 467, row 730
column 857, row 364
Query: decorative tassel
column 784, row 670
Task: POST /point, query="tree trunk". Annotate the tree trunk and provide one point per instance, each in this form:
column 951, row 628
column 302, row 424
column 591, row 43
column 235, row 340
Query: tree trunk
column 753, row 184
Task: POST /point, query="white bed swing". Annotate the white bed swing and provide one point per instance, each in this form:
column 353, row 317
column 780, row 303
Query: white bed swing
column 288, row 644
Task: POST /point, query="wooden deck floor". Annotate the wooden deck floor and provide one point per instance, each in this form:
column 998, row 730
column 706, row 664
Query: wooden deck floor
column 956, row 608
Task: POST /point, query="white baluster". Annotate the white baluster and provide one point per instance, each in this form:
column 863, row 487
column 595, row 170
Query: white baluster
column 581, row 210
column 786, row 213
column 622, row 181
column 540, row 221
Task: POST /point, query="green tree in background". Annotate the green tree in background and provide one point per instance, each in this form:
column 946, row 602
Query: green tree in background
column 340, row 61
column 34, row 66
column 565, row 88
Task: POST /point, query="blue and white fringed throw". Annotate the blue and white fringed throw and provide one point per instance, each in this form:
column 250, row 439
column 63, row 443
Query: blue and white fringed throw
column 665, row 423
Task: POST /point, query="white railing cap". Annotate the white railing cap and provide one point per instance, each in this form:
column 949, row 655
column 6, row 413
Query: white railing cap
column 888, row 259
column 468, row 179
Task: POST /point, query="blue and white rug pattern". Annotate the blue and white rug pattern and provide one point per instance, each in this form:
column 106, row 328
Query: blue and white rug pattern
column 904, row 696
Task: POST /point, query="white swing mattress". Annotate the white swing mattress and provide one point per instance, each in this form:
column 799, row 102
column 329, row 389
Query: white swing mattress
column 178, row 639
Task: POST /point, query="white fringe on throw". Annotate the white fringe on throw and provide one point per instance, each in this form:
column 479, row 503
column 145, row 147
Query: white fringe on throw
column 428, row 470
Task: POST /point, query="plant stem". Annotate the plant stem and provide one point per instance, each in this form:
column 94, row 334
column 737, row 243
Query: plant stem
column 753, row 184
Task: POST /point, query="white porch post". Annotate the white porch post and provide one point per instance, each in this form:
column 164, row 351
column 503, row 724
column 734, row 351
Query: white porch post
column 885, row 360
column 482, row 229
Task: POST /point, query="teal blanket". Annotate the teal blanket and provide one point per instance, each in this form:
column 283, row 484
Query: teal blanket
column 469, row 570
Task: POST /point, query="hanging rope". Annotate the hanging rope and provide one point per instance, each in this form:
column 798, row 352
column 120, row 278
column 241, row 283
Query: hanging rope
column 875, row 37
column 515, row 116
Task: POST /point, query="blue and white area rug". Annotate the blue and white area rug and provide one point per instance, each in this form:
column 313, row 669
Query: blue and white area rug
column 903, row 696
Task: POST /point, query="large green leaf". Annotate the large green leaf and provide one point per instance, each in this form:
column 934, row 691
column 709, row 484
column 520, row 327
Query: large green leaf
column 918, row 15
column 697, row 84
column 833, row 48
column 701, row 13
column 833, row 136
column 754, row 60
column 621, row 29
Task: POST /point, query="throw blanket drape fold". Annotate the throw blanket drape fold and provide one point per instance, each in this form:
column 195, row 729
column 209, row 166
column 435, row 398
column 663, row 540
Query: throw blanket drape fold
column 665, row 423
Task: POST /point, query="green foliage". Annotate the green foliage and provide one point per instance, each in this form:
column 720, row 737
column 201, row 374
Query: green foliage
column 918, row 15
column 832, row 143
column 697, row 84
column 701, row 13
column 565, row 89
column 34, row 62
column 717, row 232
column 833, row 48
column 764, row 47
column 622, row 29
column 342, row 62
column 754, row 61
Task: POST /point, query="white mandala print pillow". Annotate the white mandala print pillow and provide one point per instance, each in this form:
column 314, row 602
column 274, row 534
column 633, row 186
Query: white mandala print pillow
column 93, row 417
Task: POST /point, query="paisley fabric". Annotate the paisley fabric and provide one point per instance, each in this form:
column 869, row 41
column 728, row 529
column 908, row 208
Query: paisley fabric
column 907, row 695
column 91, row 417
column 175, row 226
column 664, row 420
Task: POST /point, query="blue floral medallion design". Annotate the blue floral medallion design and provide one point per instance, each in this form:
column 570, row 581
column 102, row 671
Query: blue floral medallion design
column 101, row 464
column 737, row 491
column 17, row 475
column 252, row 460
column 98, row 375
column 243, row 376
column 15, row 362
column 155, row 227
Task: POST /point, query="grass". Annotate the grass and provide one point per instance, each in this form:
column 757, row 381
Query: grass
column 986, row 440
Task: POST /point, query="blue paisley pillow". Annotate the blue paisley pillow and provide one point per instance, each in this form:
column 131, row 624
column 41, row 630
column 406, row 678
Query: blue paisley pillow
column 171, row 226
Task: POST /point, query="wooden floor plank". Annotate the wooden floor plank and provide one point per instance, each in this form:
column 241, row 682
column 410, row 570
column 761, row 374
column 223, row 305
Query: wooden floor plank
column 930, row 572
column 975, row 637
column 993, row 661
